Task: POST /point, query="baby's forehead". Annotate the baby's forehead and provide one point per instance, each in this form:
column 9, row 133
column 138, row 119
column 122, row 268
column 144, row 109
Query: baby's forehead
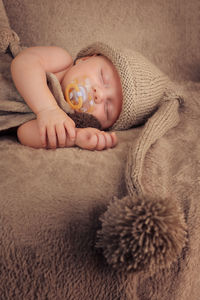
column 96, row 60
column 104, row 61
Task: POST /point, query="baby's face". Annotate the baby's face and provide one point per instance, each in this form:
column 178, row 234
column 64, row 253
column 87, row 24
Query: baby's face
column 105, row 84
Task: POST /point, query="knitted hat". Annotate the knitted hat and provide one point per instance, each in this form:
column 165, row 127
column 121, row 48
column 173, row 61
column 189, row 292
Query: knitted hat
column 142, row 83
column 133, row 235
column 146, row 92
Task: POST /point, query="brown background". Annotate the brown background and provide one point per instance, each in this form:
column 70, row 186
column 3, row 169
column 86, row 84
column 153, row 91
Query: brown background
column 168, row 32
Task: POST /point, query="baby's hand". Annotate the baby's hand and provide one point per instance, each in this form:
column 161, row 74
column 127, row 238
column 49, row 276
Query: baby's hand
column 94, row 139
column 55, row 127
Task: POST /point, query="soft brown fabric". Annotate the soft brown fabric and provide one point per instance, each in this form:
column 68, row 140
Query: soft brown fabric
column 51, row 201
column 48, row 225
column 165, row 32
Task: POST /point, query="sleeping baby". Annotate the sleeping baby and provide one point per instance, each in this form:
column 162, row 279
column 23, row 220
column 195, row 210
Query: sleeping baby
column 53, row 128
column 119, row 87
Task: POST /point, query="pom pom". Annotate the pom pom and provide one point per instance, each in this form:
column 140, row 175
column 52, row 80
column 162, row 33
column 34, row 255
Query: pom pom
column 142, row 234
column 9, row 40
column 83, row 120
column 5, row 36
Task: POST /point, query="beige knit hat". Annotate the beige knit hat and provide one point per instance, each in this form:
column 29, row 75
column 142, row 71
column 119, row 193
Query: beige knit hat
column 147, row 92
column 143, row 84
column 148, row 97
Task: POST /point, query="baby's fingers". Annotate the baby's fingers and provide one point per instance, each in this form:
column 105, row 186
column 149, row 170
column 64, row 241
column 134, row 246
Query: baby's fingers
column 52, row 139
column 101, row 143
column 61, row 135
column 114, row 139
column 71, row 130
column 93, row 139
column 106, row 140
column 43, row 136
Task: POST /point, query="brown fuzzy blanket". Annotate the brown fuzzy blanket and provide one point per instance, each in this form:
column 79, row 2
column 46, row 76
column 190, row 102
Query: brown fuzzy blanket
column 48, row 228
column 51, row 203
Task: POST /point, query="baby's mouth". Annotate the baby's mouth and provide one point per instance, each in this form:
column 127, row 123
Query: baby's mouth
column 80, row 95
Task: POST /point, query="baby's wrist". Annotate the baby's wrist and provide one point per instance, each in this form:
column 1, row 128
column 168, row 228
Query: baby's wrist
column 47, row 108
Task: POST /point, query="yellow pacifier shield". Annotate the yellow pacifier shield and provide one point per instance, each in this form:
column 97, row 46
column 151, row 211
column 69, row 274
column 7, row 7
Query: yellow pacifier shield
column 79, row 95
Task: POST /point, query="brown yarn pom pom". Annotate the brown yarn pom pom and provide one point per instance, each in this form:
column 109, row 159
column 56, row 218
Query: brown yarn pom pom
column 142, row 234
column 83, row 120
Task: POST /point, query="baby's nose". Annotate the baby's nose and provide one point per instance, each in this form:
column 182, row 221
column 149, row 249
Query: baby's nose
column 98, row 95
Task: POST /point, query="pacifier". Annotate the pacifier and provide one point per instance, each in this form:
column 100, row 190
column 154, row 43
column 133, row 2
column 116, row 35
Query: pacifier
column 79, row 95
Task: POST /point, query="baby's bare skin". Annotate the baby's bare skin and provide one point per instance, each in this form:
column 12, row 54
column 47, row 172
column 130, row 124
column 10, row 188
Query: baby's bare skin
column 53, row 127
column 85, row 138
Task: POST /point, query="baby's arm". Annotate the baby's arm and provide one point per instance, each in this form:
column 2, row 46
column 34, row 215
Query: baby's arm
column 29, row 75
column 86, row 138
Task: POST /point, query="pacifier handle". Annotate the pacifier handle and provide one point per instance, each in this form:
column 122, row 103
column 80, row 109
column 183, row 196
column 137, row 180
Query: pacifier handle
column 67, row 92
